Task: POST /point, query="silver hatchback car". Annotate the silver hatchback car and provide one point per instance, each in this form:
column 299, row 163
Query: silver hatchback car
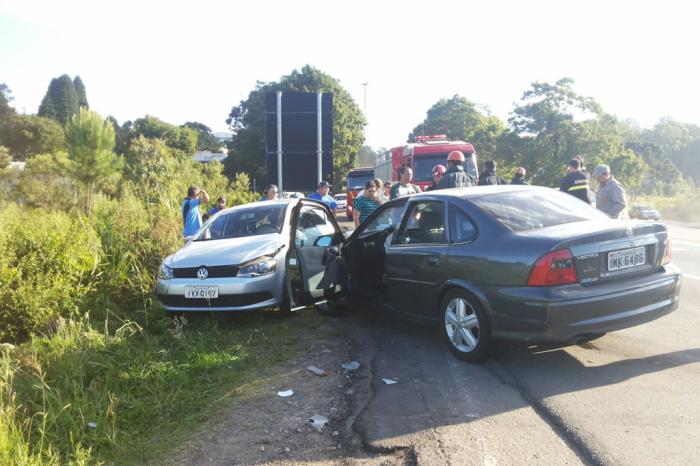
column 250, row 257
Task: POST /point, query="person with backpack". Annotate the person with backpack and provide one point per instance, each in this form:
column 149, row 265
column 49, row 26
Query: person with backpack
column 191, row 218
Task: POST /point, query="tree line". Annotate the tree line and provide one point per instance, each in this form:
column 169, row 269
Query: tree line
column 549, row 125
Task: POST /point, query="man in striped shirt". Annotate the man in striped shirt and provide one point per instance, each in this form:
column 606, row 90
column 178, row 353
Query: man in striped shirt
column 365, row 204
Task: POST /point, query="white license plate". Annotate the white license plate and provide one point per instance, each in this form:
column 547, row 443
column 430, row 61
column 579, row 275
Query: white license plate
column 626, row 258
column 201, row 292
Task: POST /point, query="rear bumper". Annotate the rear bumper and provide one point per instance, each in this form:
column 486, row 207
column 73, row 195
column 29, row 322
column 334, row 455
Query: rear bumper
column 566, row 312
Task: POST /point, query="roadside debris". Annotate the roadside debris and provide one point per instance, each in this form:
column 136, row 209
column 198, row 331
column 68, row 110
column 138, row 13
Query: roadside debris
column 351, row 366
column 390, row 381
column 285, row 393
column 317, row 422
column 92, row 425
column 317, row 370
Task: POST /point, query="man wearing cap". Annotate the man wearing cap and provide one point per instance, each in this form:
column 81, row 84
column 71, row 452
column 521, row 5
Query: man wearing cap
column 519, row 176
column 404, row 187
column 322, row 195
column 610, row 197
column 576, row 182
column 456, row 177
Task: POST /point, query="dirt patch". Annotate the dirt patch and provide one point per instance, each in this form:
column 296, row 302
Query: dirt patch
column 264, row 428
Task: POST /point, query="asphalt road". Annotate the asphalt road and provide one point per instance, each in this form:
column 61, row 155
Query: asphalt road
column 629, row 398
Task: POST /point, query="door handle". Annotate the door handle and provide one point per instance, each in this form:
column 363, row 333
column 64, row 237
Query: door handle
column 433, row 260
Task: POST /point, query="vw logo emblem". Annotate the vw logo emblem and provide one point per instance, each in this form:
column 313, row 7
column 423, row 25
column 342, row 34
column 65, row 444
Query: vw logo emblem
column 629, row 232
column 202, row 273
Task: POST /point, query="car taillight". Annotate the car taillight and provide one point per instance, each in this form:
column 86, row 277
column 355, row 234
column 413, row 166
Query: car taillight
column 554, row 268
column 667, row 252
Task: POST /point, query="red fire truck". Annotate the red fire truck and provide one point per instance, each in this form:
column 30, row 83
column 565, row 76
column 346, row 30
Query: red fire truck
column 357, row 178
column 422, row 156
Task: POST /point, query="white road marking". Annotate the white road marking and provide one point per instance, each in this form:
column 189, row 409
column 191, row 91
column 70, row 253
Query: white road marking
column 684, row 241
column 694, row 277
column 679, row 249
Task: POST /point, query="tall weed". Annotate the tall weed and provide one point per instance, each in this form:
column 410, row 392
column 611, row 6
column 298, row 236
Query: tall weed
column 48, row 268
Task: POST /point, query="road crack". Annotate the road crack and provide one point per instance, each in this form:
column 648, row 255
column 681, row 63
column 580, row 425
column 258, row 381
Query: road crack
column 572, row 438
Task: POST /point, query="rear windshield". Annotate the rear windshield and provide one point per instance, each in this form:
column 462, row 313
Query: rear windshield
column 530, row 210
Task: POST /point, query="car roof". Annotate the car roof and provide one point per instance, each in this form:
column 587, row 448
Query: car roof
column 479, row 191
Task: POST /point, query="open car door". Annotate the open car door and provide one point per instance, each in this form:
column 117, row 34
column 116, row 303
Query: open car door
column 316, row 271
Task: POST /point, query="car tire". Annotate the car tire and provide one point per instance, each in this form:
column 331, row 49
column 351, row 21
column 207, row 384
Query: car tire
column 464, row 326
column 330, row 308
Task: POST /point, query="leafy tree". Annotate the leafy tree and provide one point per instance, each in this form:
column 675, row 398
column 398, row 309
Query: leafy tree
column 205, row 139
column 61, row 100
column 183, row 140
column 28, row 135
column 548, row 134
column 5, row 99
column 80, row 92
column 5, row 157
column 459, row 119
column 247, row 121
column 91, row 160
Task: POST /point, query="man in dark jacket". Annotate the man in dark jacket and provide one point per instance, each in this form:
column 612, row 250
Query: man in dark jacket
column 456, row 177
column 519, row 176
column 576, row 182
column 489, row 176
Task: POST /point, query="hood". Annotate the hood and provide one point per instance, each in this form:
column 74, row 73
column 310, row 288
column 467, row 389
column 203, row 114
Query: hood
column 229, row 251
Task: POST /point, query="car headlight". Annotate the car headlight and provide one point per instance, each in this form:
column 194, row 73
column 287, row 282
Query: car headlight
column 165, row 272
column 259, row 266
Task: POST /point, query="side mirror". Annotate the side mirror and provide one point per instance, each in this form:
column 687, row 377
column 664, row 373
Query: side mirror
column 323, row 241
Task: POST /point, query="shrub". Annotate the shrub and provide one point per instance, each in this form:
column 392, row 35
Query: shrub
column 48, row 266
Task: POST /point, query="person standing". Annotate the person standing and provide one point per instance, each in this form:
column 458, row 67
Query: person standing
column 270, row 193
column 191, row 218
column 455, row 176
column 438, row 172
column 489, row 176
column 322, row 195
column 381, row 196
column 610, row 196
column 365, row 204
column 575, row 182
column 220, row 205
column 404, row 187
column 519, row 176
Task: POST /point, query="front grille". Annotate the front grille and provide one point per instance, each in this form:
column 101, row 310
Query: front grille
column 232, row 300
column 216, row 271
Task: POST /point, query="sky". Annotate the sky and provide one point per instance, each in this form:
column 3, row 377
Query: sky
column 194, row 61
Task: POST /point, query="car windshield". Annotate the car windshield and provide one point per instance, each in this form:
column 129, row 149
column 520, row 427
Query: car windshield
column 529, row 210
column 251, row 221
column 340, row 197
column 358, row 181
column 423, row 165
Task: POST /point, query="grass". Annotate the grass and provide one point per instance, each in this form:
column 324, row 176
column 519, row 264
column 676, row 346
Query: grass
column 83, row 396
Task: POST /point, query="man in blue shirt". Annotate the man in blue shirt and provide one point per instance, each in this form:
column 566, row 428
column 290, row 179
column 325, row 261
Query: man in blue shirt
column 191, row 219
column 220, row 205
column 322, row 195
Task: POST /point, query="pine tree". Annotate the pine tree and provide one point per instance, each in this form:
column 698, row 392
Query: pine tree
column 91, row 159
column 61, row 100
column 80, row 90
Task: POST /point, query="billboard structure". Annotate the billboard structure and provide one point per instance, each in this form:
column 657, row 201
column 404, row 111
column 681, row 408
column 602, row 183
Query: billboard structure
column 299, row 134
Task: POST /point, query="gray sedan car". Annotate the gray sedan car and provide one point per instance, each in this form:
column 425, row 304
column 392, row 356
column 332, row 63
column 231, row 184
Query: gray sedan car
column 506, row 262
column 248, row 257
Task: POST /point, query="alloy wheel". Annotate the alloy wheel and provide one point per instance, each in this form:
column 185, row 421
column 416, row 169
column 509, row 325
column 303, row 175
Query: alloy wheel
column 462, row 325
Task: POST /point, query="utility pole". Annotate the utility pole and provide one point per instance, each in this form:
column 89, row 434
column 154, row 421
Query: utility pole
column 365, row 108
